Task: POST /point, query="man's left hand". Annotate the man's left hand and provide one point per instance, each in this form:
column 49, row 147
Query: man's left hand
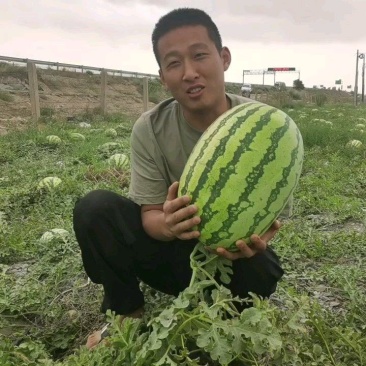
column 257, row 244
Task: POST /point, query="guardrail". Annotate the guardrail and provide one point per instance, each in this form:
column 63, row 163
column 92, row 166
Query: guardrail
column 82, row 68
column 31, row 66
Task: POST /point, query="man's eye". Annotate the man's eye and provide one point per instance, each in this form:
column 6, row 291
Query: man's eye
column 172, row 63
column 201, row 54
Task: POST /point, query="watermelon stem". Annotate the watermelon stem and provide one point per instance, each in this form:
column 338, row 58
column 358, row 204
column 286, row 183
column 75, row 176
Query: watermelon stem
column 197, row 266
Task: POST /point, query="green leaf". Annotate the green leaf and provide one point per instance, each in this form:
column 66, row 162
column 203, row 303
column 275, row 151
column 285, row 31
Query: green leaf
column 317, row 350
column 167, row 317
column 216, row 344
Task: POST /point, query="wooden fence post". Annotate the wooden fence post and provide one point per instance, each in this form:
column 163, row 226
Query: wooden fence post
column 145, row 93
column 33, row 90
column 103, row 92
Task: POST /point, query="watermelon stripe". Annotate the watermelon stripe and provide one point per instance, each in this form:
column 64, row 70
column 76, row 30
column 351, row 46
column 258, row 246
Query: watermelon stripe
column 283, row 183
column 207, row 140
column 256, row 173
column 219, row 151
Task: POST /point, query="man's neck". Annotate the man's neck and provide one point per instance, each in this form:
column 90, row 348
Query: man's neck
column 202, row 120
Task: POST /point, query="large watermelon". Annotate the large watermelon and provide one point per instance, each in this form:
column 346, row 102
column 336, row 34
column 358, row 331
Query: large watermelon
column 242, row 172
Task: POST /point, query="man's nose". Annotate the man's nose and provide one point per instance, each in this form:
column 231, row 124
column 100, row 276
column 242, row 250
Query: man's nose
column 190, row 71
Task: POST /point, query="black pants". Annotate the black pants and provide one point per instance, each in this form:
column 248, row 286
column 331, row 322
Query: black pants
column 117, row 253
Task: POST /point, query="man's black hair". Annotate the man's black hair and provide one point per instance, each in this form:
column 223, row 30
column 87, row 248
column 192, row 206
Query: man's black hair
column 184, row 17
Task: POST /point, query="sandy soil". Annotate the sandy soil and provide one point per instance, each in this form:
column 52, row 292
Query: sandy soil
column 67, row 95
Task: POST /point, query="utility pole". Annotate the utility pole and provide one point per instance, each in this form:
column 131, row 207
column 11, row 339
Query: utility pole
column 363, row 76
column 355, row 89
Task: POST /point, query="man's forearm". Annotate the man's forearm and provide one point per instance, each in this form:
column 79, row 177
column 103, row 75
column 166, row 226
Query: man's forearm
column 154, row 225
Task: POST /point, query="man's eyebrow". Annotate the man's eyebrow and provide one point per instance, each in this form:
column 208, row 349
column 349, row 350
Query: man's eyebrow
column 198, row 45
column 191, row 47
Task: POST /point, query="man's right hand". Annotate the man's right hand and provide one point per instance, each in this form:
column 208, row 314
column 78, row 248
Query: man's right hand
column 175, row 218
column 179, row 215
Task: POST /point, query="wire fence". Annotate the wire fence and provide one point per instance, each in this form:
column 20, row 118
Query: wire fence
column 67, row 90
column 75, row 68
column 71, row 91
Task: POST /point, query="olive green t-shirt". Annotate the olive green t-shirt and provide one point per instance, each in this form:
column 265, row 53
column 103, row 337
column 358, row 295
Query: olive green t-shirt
column 161, row 142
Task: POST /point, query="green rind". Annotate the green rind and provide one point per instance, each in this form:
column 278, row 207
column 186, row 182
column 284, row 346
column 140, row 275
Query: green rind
column 242, row 172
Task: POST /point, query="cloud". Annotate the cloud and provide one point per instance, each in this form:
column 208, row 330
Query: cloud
column 310, row 21
column 276, row 21
column 320, row 37
column 103, row 20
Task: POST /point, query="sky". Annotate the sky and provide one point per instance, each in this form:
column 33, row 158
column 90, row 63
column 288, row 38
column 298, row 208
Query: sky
column 319, row 38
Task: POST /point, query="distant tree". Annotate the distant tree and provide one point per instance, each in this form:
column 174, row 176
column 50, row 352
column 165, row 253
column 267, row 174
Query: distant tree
column 298, row 84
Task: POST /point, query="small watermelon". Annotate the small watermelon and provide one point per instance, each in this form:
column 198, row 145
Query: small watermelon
column 75, row 136
column 109, row 148
column 110, row 132
column 84, row 125
column 354, row 144
column 48, row 236
column 49, row 183
column 118, row 161
column 53, row 140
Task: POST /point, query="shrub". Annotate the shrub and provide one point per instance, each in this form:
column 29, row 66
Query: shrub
column 232, row 88
column 295, row 95
column 320, row 99
column 298, row 84
column 47, row 112
column 6, row 96
column 156, row 91
column 280, row 99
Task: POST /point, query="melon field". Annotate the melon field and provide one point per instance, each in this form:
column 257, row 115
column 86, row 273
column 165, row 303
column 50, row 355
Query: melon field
column 48, row 306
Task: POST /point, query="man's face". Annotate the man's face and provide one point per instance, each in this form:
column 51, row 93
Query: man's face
column 192, row 68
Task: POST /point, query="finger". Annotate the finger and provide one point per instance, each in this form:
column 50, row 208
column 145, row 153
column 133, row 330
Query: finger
column 271, row 232
column 176, row 204
column 180, row 215
column 276, row 225
column 222, row 252
column 245, row 253
column 172, row 191
column 246, row 250
column 257, row 244
column 187, row 235
column 185, row 225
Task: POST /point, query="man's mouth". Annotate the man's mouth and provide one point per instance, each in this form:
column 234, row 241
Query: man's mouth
column 195, row 90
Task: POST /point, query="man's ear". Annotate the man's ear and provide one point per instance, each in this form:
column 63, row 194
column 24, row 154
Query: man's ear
column 163, row 80
column 226, row 57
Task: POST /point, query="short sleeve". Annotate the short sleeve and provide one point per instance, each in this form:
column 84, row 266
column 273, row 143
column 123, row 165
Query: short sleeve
column 147, row 185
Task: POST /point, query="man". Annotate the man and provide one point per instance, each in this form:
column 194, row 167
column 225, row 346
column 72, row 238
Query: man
column 149, row 235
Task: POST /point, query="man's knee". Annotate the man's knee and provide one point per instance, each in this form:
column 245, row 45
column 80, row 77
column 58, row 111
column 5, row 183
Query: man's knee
column 95, row 205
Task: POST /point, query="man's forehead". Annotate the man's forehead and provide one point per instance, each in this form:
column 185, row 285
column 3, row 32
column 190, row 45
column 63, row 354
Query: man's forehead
column 191, row 34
